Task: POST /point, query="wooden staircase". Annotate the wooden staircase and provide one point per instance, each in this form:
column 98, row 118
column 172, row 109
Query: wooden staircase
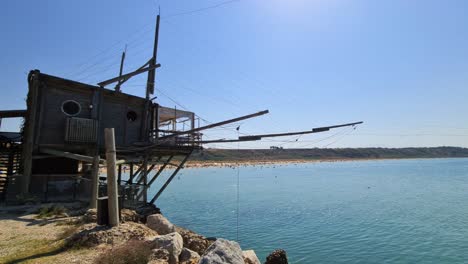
column 10, row 158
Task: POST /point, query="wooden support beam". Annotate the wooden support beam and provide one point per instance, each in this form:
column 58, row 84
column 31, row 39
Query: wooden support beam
column 140, row 180
column 74, row 156
column 119, row 162
column 142, row 67
column 133, row 175
column 71, row 175
column 12, row 113
column 130, row 178
column 95, row 183
column 128, row 75
column 69, row 155
column 170, row 179
column 119, row 174
column 161, row 169
column 144, row 176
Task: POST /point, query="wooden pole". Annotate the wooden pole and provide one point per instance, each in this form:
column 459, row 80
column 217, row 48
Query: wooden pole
column 152, row 72
column 122, row 60
column 95, row 183
column 112, row 191
column 30, row 123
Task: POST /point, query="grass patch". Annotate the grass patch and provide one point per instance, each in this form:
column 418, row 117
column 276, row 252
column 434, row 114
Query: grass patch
column 39, row 250
column 132, row 252
column 32, row 250
column 51, row 211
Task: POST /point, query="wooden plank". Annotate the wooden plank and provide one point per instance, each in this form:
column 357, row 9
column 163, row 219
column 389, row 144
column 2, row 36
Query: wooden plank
column 68, row 155
column 128, row 75
column 73, row 175
column 12, row 113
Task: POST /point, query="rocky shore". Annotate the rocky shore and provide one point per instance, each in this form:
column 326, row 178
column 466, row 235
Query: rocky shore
column 167, row 243
column 72, row 236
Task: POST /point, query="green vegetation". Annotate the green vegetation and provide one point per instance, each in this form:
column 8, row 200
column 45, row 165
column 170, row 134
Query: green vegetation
column 132, row 252
column 26, row 199
column 51, row 211
column 327, row 154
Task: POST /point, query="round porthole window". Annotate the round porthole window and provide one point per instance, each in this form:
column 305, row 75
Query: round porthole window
column 71, row 108
column 131, row 116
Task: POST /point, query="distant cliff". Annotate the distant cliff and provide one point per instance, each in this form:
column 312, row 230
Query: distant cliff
column 335, row 153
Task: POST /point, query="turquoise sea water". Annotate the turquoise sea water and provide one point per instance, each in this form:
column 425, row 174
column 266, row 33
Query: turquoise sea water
column 389, row 211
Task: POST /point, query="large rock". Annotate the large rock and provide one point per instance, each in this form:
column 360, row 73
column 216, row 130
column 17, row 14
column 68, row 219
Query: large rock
column 172, row 242
column 223, row 252
column 128, row 215
column 277, row 257
column 250, row 257
column 90, row 216
column 160, row 224
column 90, row 235
column 194, row 241
column 159, row 256
column 188, row 256
column 147, row 210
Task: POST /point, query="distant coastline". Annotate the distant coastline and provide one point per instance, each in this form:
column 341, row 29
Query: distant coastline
column 243, row 163
column 253, row 157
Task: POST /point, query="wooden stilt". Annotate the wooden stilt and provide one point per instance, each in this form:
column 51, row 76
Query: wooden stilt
column 112, row 188
column 95, row 183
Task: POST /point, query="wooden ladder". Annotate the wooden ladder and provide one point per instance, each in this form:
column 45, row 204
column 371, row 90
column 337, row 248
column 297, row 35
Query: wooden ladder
column 10, row 157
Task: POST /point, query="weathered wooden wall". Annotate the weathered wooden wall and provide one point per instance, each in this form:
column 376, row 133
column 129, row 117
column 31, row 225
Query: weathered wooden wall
column 53, row 92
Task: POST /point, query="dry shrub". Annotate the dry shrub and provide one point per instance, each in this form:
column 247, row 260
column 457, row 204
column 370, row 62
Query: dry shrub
column 68, row 232
column 132, row 252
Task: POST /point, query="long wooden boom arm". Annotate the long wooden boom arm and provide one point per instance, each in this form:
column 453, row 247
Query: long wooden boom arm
column 314, row 130
column 259, row 137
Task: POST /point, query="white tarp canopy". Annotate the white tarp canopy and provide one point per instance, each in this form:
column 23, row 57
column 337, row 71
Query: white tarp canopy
column 168, row 114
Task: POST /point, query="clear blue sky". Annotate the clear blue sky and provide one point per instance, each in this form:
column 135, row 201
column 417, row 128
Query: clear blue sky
column 401, row 66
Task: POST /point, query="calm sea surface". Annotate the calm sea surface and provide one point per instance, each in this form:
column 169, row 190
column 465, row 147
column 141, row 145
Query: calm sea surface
column 394, row 211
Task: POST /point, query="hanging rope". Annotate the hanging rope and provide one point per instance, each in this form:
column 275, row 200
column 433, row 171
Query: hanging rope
column 238, row 185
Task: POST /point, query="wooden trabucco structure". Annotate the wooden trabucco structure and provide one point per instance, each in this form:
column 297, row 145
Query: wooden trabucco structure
column 60, row 148
column 63, row 132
